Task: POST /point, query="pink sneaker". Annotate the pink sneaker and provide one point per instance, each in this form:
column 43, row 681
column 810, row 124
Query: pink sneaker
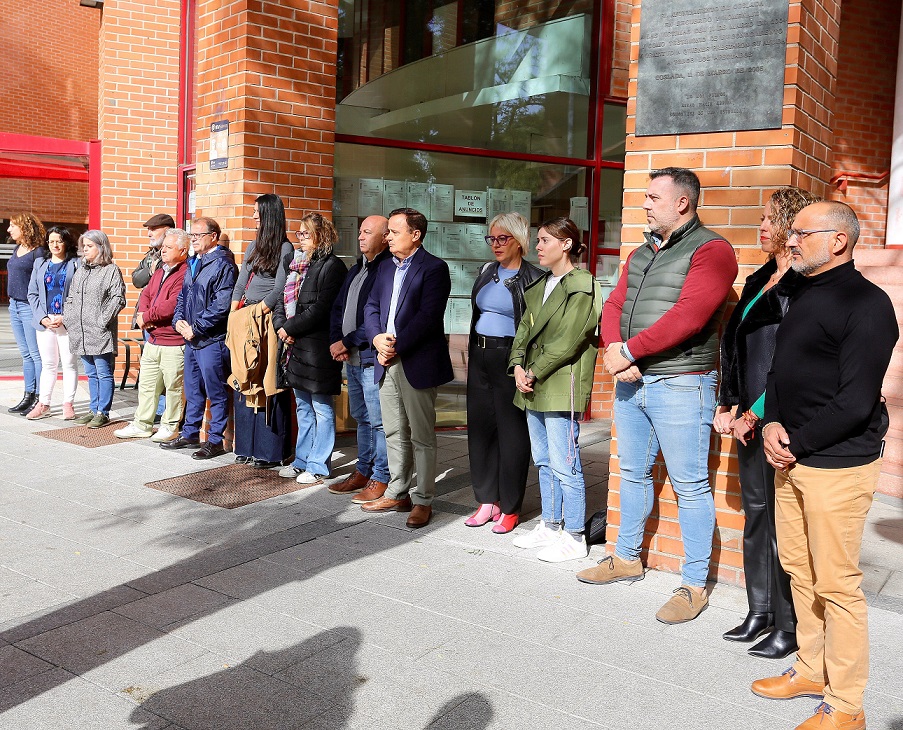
column 41, row 410
column 68, row 412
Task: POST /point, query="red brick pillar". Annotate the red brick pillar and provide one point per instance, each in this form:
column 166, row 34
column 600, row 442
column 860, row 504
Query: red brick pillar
column 738, row 171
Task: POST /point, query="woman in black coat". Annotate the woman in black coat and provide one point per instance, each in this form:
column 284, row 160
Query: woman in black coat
column 747, row 349
column 301, row 319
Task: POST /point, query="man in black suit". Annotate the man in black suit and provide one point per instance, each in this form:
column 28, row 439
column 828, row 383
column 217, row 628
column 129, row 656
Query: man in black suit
column 404, row 318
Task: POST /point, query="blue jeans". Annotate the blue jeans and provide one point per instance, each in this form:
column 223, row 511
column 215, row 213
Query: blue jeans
column 556, row 453
column 672, row 414
column 99, row 369
column 21, row 320
column 316, row 432
column 363, row 402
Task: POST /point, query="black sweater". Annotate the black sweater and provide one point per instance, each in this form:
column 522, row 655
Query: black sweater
column 833, row 348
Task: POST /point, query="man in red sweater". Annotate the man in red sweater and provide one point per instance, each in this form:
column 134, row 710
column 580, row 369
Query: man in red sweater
column 660, row 328
column 162, row 360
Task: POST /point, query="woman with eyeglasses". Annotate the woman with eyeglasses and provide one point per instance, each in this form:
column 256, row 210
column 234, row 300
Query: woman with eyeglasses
column 51, row 279
column 747, row 347
column 497, row 438
column 301, row 319
column 27, row 233
column 552, row 359
column 262, row 426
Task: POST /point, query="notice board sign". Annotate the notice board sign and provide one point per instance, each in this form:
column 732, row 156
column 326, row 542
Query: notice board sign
column 470, row 203
column 711, row 66
column 219, row 145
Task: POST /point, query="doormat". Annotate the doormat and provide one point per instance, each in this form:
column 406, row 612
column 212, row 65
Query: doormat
column 90, row 438
column 229, row 486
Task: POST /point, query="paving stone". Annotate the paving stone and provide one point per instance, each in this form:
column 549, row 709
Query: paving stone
column 16, row 665
column 175, row 606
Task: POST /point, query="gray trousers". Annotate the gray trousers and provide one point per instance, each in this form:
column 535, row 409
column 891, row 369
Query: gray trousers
column 409, row 420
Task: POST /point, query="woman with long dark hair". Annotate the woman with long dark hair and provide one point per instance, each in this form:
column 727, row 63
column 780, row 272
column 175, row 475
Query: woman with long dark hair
column 262, row 432
column 51, row 279
column 552, row 359
column 27, row 233
column 301, row 320
column 747, row 348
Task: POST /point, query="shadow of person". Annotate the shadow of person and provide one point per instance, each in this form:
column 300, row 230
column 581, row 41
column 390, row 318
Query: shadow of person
column 890, row 530
column 470, row 711
column 276, row 690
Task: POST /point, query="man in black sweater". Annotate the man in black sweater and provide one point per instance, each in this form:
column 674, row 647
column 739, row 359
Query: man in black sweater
column 824, row 425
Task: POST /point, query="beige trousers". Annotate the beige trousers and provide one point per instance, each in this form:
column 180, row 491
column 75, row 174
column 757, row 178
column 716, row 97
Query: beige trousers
column 820, row 516
column 161, row 370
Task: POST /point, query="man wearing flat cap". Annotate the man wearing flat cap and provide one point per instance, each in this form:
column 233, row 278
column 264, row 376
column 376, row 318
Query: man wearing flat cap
column 157, row 226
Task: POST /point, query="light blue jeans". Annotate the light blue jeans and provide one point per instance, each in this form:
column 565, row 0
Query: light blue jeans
column 672, row 414
column 316, row 432
column 21, row 321
column 363, row 402
column 556, row 453
column 99, row 369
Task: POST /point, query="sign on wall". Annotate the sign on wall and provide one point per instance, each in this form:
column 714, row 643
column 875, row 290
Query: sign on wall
column 470, row 203
column 219, row 145
column 711, row 65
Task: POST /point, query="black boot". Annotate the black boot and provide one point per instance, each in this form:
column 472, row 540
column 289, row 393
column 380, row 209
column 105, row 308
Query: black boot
column 24, row 405
column 777, row 645
column 753, row 626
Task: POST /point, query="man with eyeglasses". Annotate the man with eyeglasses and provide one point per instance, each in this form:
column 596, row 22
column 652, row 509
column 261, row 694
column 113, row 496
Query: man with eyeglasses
column 660, row 327
column 200, row 317
column 823, row 432
column 350, row 345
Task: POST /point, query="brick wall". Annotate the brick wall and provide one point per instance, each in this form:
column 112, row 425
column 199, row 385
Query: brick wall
column 620, row 66
column 869, row 42
column 138, row 123
column 520, row 14
column 738, row 171
column 270, row 71
column 50, row 90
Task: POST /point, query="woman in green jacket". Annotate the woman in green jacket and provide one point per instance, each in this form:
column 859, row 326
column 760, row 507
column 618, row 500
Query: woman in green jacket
column 552, row 359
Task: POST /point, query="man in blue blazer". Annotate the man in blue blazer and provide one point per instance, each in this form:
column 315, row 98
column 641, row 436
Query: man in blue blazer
column 404, row 319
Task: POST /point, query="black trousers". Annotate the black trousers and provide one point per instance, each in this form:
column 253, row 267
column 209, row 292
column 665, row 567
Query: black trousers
column 497, row 436
column 767, row 585
column 267, row 437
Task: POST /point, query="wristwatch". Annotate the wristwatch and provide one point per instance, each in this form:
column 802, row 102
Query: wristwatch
column 625, row 353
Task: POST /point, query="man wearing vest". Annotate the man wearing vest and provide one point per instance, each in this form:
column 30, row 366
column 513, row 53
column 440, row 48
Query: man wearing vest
column 660, row 328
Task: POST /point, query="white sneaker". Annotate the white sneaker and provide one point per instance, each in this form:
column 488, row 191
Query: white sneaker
column 539, row 536
column 566, row 547
column 164, row 434
column 289, row 472
column 132, row 432
column 305, row 477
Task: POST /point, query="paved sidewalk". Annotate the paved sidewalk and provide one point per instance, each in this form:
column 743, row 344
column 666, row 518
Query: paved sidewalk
column 125, row 607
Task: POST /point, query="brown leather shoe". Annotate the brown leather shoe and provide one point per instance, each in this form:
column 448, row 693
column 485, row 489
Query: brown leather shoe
column 789, row 685
column 384, row 504
column 373, row 491
column 420, row 516
column 826, row 717
column 355, row 483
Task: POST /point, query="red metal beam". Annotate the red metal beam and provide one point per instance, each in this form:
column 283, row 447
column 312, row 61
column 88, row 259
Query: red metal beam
column 41, row 171
column 42, row 145
column 94, row 183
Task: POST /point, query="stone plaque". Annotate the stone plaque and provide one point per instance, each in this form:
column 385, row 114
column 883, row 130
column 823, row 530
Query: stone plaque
column 711, row 65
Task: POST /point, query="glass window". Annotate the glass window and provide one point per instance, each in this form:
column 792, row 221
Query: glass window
column 475, row 73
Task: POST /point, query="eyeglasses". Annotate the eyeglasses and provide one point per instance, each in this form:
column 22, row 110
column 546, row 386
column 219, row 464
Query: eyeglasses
column 303, row 235
column 196, row 236
column 801, row 234
column 498, row 240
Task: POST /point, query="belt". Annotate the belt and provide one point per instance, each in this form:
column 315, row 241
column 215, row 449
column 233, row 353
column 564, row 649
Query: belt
column 493, row 343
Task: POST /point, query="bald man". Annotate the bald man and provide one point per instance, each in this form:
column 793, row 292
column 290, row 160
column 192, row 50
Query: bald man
column 351, row 346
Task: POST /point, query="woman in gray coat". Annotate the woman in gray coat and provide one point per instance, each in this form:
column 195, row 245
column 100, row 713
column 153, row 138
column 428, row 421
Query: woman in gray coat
column 96, row 297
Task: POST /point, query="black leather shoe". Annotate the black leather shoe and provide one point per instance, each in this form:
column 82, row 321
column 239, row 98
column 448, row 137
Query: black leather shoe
column 261, row 464
column 25, row 405
column 243, row 459
column 208, row 451
column 180, row 443
column 753, row 626
column 777, row 645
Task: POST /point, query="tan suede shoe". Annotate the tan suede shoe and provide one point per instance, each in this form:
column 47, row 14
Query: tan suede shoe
column 612, row 569
column 789, row 685
column 827, row 718
column 685, row 605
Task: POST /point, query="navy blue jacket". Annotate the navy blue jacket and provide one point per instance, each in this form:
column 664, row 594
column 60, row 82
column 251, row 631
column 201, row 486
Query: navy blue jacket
column 358, row 338
column 206, row 297
column 419, row 318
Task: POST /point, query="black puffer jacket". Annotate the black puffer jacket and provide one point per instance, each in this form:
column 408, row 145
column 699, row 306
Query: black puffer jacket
column 747, row 346
column 310, row 366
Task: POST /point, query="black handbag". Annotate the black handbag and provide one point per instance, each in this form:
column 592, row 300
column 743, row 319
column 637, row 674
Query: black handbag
column 594, row 530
